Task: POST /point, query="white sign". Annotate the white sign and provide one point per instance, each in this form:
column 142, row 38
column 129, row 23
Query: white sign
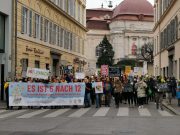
column 37, row 73
column 98, row 87
column 79, row 75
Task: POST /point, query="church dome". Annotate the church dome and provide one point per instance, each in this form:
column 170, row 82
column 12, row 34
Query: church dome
column 133, row 7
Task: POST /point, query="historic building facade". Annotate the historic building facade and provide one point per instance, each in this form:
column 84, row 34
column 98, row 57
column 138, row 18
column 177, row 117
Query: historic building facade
column 50, row 35
column 167, row 38
column 5, row 42
column 128, row 27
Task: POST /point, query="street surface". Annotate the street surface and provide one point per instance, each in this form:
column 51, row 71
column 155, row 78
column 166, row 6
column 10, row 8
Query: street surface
column 90, row 121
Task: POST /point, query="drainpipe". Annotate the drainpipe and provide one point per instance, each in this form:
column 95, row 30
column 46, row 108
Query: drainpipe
column 15, row 49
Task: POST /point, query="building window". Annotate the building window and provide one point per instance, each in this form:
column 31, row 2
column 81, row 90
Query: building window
column 98, row 51
column 47, row 66
column 24, row 64
column 134, row 49
column 46, row 30
column 37, row 64
column 24, row 20
column 2, row 33
column 37, row 26
column 65, row 6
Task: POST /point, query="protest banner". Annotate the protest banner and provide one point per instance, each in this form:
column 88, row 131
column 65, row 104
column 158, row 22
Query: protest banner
column 41, row 94
column 37, row 73
column 104, row 70
column 79, row 75
column 98, row 87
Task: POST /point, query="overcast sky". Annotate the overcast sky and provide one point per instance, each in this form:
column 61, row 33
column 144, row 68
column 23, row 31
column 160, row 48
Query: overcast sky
column 98, row 3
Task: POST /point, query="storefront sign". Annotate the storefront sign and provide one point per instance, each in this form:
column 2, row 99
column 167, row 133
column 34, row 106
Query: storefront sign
column 37, row 73
column 40, row 94
column 104, row 70
column 79, row 75
column 35, row 50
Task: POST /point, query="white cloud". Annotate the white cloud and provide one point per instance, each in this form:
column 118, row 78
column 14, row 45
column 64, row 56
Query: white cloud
column 98, row 3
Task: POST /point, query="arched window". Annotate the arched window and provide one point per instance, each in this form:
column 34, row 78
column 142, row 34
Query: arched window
column 98, row 51
column 134, row 49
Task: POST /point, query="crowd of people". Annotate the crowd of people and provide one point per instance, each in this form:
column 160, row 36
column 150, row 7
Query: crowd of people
column 134, row 91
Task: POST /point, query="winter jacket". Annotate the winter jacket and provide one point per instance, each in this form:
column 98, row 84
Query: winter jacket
column 118, row 87
column 141, row 89
column 128, row 87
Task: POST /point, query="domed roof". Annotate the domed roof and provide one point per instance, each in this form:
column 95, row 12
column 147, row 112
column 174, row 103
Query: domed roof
column 133, row 7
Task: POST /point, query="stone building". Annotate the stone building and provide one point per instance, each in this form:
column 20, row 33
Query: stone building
column 50, row 34
column 128, row 27
column 166, row 38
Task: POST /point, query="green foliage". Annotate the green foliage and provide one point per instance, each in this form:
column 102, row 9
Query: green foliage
column 106, row 53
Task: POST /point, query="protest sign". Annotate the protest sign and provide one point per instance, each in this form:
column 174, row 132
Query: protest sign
column 79, row 75
column 104, row 70
column 98, row 87
column 114, row 72
column 37, row 73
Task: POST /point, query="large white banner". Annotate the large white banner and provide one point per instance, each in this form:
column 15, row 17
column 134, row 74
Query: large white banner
column 41, row 94
column 37, row 73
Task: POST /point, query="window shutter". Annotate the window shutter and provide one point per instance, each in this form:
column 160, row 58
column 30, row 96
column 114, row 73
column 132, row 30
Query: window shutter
column 35, row 26
column 22, row 20
column 41, row 28
column 30, row 23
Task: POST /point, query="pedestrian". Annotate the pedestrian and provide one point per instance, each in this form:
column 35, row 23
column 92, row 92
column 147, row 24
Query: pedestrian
column 6, row 88
column 107, row 91
column 88, row 89
column 98, row 95
column 141, row 92
column 118, row 92
column 159, row 93
column 128, row 89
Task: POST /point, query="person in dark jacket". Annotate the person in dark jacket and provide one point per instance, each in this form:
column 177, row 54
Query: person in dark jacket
column 87, row 98
column 6, row 88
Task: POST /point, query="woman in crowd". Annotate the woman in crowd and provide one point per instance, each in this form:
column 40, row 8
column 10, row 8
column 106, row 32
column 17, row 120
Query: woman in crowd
column 141, row 92
column 107, row 91
column 128, row 89
column 118, row 92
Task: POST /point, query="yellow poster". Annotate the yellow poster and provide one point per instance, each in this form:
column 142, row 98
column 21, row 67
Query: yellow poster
column 127, row 70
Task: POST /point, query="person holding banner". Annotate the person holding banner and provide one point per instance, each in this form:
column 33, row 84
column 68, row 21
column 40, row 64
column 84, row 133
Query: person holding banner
column 6, row 88
column 118, row 87
column 99, row 91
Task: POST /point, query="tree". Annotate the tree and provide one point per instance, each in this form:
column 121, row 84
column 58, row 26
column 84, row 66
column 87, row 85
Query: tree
column 147, row 52
column 106, row 53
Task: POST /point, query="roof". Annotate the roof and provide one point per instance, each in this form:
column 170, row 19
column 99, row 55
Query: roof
column 133, row 7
